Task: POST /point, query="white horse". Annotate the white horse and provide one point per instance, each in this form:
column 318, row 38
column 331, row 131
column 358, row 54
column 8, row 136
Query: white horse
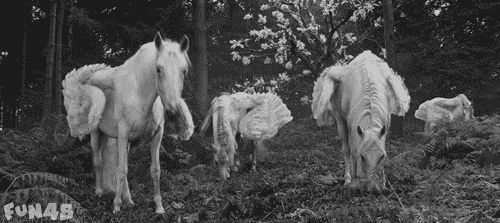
column 437, row 110
column 128, row 102
column 256, row 116
column 360, row 99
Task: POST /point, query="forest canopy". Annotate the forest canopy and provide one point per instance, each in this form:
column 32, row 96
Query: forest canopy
column 442, row 47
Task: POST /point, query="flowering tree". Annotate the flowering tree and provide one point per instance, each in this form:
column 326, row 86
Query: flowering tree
column 306, row 34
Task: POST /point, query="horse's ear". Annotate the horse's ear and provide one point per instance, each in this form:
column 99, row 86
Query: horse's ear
column 158, row 41
column 184, row 43
column 360, row 132
column 382, row 131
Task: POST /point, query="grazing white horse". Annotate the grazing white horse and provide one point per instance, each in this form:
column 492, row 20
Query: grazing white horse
column 437, row 110
column 360, row 99
column 120, row 104
column 256, row 116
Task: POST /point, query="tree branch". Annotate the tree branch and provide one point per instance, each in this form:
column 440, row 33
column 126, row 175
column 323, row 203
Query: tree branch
column 350, row 13
column 299, row 54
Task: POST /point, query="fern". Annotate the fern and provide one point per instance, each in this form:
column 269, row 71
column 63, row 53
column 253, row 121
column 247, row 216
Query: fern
column 40, row 178
column 464, row 141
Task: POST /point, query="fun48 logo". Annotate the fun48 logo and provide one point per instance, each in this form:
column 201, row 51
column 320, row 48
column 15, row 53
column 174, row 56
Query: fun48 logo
column 65, row 212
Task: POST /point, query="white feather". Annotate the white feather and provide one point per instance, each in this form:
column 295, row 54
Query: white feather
column 84, row 103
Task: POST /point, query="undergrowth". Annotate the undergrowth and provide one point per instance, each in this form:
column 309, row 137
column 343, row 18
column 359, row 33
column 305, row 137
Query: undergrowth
column 450, row 177
column 473, row 142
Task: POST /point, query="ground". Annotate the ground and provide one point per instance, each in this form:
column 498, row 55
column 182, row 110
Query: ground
column 300, row 179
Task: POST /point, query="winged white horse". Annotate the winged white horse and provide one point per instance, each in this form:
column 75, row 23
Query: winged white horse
column 360, row 99
column 255, row 116
column 120, row 104
column 438, row 110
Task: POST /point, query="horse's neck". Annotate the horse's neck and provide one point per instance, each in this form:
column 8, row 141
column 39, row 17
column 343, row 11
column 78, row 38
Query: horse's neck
column 139, row 72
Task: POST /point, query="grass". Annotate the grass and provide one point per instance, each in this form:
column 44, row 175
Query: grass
column 300, row 179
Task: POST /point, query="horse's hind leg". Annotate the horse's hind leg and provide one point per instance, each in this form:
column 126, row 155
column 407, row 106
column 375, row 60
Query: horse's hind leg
column 122, row 168
column 156, row 170
column 126, row 191
column 95, row 143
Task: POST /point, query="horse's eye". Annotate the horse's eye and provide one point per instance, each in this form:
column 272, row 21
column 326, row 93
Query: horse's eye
column 158, row 70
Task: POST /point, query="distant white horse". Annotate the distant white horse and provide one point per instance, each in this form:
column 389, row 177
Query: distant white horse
column 124, row 103
column 256, row 116
column 360, row 99
column 437, row 110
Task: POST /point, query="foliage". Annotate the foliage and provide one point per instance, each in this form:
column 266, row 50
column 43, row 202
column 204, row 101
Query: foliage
column 300, row 36
column 468, row 141
column 300, row 180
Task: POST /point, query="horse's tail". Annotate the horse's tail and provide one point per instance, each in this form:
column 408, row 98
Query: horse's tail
column 206, row 122
column 84, row 103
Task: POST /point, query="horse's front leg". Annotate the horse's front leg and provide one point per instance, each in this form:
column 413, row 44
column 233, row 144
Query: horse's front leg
column 253, row 152
column 156, row 170
column 122, row 168
column 342, row 132
column 97, row 160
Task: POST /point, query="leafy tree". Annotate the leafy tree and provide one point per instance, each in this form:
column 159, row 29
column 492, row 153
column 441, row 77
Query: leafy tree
column 309, row 35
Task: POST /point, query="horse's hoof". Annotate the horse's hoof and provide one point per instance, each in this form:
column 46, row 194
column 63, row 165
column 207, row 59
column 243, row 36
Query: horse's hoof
column 130, row 202
column 160, row 210
column 98, row 192
column 116, row 209
column 347, row 180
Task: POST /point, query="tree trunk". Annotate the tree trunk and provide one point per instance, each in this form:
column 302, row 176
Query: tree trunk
column 47, row 99
column 56, row 88
column 390, row 53
column 70, row 33
column 200, row 57
column 22, row 103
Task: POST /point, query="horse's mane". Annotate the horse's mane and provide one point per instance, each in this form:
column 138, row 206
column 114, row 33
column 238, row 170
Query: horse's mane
column 373, row 91
column 224, row 131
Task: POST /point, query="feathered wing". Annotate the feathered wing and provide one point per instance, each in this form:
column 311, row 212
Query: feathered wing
column 421, row 112
column 430, row 112
column 264, row 120
column 399, row 100
column 323, row 91
column 84, row 103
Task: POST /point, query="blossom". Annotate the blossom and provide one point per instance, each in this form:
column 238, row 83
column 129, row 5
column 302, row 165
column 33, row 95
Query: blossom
column 264, row 7
column 288, row 65
column 236, row 43
column 262, row 19
column 322, row 38
column 236, row 55
column 267, row 60
column 245, row 60
column 248, row 16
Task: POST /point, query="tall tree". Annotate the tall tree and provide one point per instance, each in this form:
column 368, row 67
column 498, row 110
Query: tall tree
column 390, row 56
column 22, row 103
column 56, row 88
column 200, row 56
column 47, row 99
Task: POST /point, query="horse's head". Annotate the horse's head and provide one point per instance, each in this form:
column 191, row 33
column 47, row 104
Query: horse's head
column 172, row 64
column 469, row 112
column 369, row 157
